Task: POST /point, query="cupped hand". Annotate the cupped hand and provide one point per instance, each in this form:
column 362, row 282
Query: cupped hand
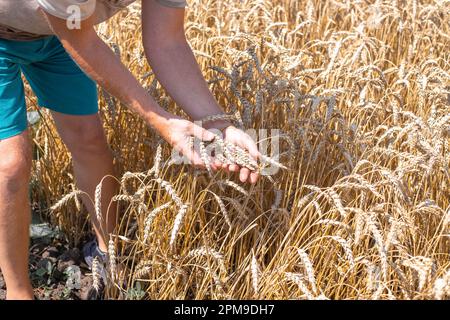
column 241, row 139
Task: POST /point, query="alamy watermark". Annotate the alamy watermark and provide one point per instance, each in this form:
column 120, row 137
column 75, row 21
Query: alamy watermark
column 73, row 21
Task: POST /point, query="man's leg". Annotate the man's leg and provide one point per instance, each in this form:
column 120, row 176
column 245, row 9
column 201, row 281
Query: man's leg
column 92, row 160
column 64, row 88
column 15, row 215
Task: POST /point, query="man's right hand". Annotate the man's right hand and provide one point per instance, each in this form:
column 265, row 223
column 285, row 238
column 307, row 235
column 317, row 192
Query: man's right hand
column 178, row 133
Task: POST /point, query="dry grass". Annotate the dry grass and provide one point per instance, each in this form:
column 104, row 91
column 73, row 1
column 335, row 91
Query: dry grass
column 361, row 94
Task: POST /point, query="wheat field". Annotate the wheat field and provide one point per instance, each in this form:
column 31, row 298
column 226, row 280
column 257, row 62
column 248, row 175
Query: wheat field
column 360, row 94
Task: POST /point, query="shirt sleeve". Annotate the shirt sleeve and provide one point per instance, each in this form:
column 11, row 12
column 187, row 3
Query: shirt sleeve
column 173, row 3
column 66, row 8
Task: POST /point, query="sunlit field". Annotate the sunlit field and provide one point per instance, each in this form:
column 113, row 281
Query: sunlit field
column 359, row 207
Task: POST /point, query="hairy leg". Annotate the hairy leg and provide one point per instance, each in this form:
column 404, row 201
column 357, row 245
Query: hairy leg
column 92, row 160
column 15, row 215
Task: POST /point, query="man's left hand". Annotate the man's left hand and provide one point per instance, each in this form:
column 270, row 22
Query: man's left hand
column 241, row 139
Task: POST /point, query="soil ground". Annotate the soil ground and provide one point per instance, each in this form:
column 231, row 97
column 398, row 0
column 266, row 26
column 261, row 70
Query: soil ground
column 57, row 271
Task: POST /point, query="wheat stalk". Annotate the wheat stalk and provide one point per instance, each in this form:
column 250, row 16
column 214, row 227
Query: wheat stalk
column 309, row 268
column 64, row 200
column 98, row 202
column 177, row 224
column 96, row 274
column 298, row 280
column 255, row 273
column 112, row 259
column 151, row 216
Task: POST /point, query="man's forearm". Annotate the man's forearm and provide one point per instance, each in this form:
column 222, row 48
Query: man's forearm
column 100, row 63
column 176, row 68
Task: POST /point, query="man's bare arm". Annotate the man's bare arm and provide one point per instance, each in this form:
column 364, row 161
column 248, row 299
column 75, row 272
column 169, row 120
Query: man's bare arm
column 175, row 66
column 101, row 64
column 173, row 62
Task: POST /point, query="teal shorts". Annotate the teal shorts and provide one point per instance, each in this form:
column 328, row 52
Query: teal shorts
column 57, row 81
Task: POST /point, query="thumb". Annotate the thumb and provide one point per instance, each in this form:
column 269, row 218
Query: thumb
column 201, row 133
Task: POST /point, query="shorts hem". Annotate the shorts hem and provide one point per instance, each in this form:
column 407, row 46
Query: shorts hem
column 87, row 112
column 12, row 131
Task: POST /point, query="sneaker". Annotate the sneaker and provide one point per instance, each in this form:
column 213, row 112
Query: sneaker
column 90, row 252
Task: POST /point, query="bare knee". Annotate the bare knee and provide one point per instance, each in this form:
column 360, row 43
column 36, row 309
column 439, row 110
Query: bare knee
column 15, row 168
column 86, row 141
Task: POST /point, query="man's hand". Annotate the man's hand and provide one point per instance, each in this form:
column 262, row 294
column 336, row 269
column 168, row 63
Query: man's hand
column 243, row 140
column 179, row 133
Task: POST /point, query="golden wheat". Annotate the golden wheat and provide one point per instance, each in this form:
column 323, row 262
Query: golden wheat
column 361, row 206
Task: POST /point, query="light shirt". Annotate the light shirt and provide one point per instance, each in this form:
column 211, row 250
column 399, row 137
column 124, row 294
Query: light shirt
column 22, row 20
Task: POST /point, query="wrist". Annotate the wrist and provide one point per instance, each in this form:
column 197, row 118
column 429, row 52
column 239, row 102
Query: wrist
column 219, row 121
column 160, row 120
column 217, row 124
